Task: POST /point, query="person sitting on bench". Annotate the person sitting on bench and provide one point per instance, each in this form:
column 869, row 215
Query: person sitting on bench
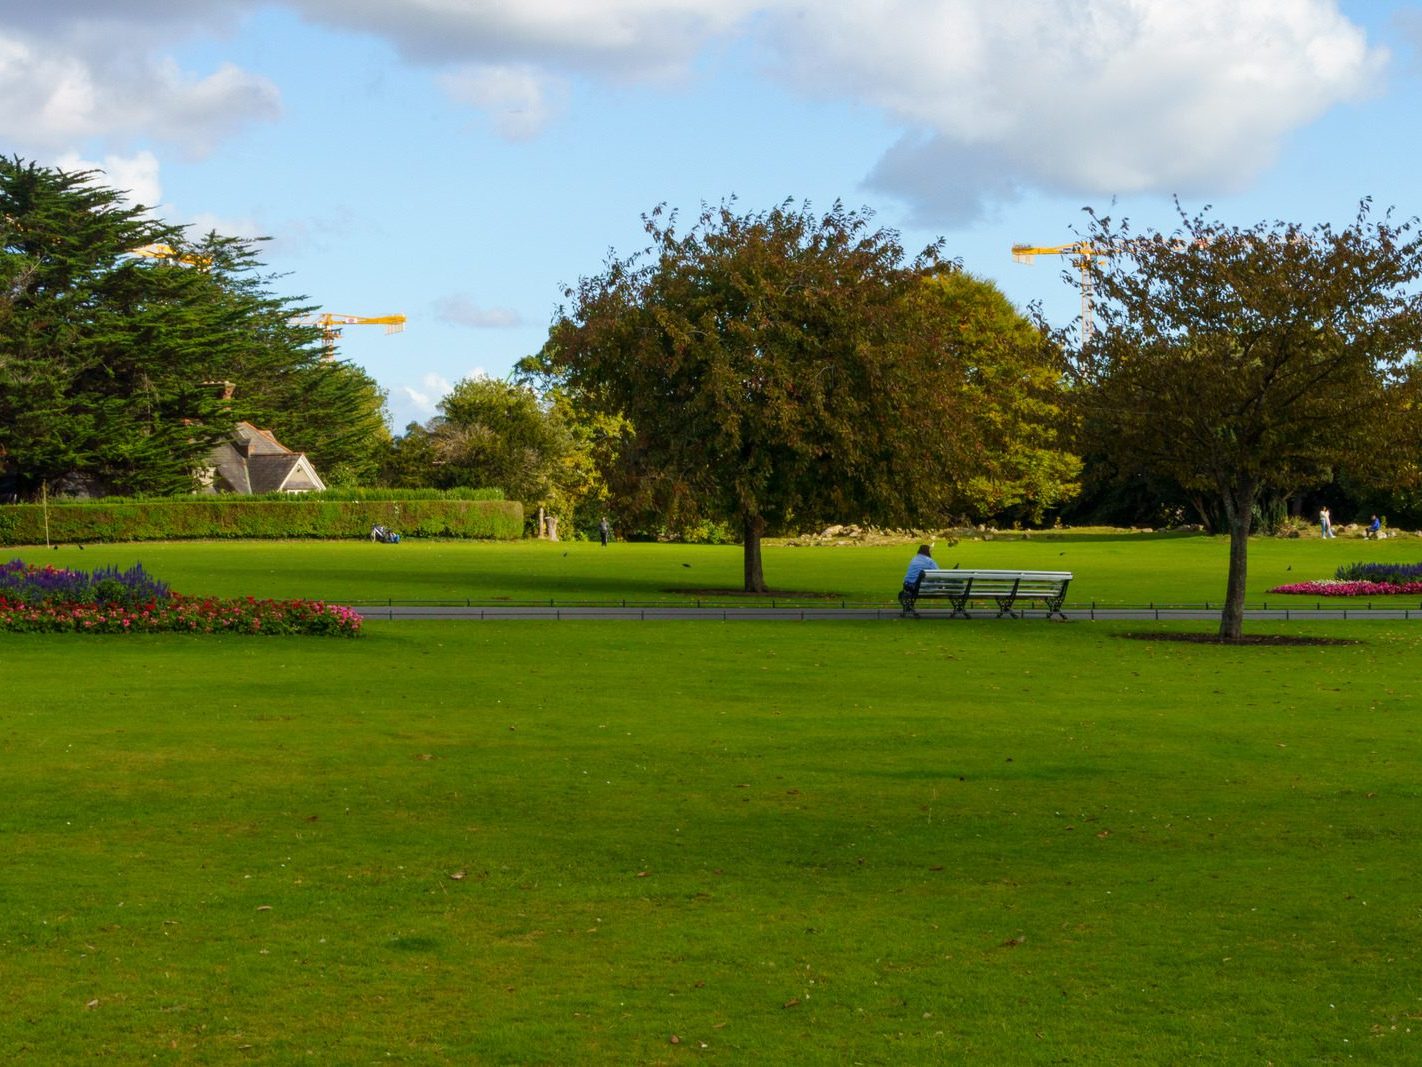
column 920, row 563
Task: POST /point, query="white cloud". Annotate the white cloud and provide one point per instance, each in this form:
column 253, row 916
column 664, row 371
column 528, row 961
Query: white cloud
column 622, row 38
column 519, row 99
column 1088, row 97
column 204, row 223
column 420, row 403
column 136, row 175
column 63, row 90
column 1071, row 96
column 416, row 403
column 459, row 310
column 1093, row 97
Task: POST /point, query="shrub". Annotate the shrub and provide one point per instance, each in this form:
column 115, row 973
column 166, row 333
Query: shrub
column 326, row 515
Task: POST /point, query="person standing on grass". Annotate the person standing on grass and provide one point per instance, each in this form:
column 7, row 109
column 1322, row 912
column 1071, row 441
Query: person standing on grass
column 603, row 529
column 923, row 561
column 1325, row 523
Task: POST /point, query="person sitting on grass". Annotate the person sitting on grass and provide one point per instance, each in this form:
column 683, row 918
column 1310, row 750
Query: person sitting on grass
column 1374, row 530
column 920, row 563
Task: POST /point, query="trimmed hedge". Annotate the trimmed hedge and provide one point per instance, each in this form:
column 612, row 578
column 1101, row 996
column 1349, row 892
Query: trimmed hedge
column 238, row 517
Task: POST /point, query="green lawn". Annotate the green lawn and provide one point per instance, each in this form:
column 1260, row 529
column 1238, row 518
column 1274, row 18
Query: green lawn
column 1119, row 568
column 774, row 842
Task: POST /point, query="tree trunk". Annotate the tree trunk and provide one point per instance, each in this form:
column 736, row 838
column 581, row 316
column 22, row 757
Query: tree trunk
column 1239, row 509
column 754, row 526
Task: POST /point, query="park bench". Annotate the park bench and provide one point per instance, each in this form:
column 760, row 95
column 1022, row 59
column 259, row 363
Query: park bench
column 1004, row 588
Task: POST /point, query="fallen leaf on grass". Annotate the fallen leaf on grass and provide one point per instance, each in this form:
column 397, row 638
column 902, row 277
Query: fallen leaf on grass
column 643, row 874
column 1104, row 834
column 459, row 875
column 675, row 1040
column 264, row 907
column 92, row 1004
column 1013, row 942
column 793, row 1002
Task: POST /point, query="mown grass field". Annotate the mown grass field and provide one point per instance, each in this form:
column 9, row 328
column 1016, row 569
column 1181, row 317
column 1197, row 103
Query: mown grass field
column 1110, row 568
column 550, row 842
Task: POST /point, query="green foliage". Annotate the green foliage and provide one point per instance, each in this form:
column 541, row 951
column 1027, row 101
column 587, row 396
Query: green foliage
column 1009, row 380
column 271, row 516
column 493, row 432
column 780, row 367
column 595, row 442
column 110, row 362
column 97, row 346
column 1245, row 363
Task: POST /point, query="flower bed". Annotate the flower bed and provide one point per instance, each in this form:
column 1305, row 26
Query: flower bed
column 1386, row 573
column 1335, row 587
column 26, row 583
column 55, row 600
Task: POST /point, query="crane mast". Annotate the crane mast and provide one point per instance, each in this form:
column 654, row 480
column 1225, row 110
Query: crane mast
column 1083, row 254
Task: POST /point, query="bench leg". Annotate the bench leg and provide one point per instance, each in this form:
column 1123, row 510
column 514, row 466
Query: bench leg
column 1004, row 606
column 906, row 604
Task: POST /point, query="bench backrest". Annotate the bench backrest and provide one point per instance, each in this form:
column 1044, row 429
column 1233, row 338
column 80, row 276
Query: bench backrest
column 994, row 582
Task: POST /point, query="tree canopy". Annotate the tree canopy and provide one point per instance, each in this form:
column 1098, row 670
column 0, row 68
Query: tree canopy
column 110, row 362
column 781, row 367
column 1244, row 360
column 491, row 433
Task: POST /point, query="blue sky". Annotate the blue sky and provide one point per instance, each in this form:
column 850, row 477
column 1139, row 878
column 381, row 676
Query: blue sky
column 460, row 161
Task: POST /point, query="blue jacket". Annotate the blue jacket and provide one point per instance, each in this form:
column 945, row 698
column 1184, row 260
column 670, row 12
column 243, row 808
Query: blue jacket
column 917, row 566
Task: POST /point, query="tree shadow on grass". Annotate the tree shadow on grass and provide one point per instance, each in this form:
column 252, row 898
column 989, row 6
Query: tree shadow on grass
column 1256, row 640
column 784, row 594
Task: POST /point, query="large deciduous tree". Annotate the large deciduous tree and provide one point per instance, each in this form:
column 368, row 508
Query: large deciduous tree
column 1010, row 381
column 490, row 434
column 1247, row 361
column 782, row 367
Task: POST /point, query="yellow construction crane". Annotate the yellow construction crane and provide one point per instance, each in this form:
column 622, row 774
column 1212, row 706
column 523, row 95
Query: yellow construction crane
column 331, row 324
column 1085, row 254
column 169, row 252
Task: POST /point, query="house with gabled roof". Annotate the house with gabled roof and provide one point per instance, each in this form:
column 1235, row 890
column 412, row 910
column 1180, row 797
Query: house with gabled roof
column 254, row 461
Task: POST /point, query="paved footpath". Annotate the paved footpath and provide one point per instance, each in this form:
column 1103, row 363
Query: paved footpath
column 670, row 612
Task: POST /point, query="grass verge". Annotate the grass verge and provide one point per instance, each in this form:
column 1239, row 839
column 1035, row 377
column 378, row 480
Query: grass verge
column 1109, row 569
column 562, row 842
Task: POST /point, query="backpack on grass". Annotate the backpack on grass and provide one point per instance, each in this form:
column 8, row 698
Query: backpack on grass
column 384, row 535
